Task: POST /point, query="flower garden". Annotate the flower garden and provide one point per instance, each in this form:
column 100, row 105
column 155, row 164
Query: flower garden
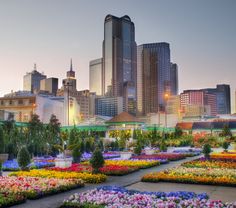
column 216, row 171
column 116, row 197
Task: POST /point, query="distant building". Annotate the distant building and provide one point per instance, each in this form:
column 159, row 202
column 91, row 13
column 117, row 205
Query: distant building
column 173, row 105
column 70, row 82
column 32, row 80
column 153, row 77
column 195, row 102
column 95, row 76
column 49, row 85
column 119, row 60
column 109, row 106
column 174, row 82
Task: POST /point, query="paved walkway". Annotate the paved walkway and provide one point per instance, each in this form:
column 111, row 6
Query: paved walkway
column 129, row 181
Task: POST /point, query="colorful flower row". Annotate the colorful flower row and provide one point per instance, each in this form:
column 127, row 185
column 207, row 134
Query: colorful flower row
column 216, row 176
column 203, row 163
column 227, row 156
column 34, row 187
column 86, row 177
column 9, row 199
column 133, row 163
column 116, row 198
column 168, row 156
column 107, row 169
column 12, row 165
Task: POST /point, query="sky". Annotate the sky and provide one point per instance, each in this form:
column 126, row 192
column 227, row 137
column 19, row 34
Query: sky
column 201, row 33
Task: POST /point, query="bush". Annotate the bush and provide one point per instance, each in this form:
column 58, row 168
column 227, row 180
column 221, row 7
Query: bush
column 2, row 144
column 97, row 160
column 225, row 145
column 206, row 151
column 76, row 154
column 138, row 149
column 23, row 158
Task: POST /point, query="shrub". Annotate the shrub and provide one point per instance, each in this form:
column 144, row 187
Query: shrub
column 97, row 160
column 23, row 158
column 138, row 149
column 2, row 144
column 207, row 150
column 76, row 154
column 225, row 145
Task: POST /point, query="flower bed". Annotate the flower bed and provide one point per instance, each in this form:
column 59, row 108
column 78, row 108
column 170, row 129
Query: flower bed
column 133, row 163
column 8, row 199
column 167, row 156
column 214, row 176
column 117, row 170
column 76, row 167
column 86, row 177
column 34, row 187
column 227, row 156
column 12, row 165
column 116, row 197
column 203, row 163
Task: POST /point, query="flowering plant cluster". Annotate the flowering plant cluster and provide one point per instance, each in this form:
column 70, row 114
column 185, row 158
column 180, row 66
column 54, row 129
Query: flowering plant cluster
column 223, row 155
column 8, row 199
column 12, row 165
column 116, row 197
column 133, row 163
column 34, row 187
column 109, row 155
column 86, row 177
column 167, row 156
column 203, row 163
column 216, row 176
column 117, row 170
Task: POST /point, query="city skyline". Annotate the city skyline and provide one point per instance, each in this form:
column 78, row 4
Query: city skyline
column 202, row 45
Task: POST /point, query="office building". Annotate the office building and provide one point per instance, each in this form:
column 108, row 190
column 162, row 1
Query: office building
column 49, row 85
column 119, row 59
column 174, row 82
column 95, row 76
column 153, row 77
column 70, row 82
column 31, row 81
column 109, row 106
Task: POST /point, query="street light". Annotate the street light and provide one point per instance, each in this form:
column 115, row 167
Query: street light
column 166, row 98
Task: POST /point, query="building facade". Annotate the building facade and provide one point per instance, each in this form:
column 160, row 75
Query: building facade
column 49, row 85
column 109, row 106
column 153, row 77
column 95, row 76
column 174, row 81
column 119, row 59
column 31, row 81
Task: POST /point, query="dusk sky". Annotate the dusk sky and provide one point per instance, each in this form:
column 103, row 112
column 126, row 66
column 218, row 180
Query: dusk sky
column 201, row 33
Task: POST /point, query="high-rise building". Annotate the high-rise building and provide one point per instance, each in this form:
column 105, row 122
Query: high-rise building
column 70, row 82
column 109, row 106
column 119, row 59
column 32, row 80
column 95, row 76
column 153, row 77
column 49, row 85
column 223, row 101
column 192, row 99
column 174, row 82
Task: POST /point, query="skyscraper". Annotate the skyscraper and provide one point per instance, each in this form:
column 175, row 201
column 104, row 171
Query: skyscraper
column 153, row 77
column 32, row 80
column 119, row 59
column 174, row 83
column 70, row 81
column 95, row 76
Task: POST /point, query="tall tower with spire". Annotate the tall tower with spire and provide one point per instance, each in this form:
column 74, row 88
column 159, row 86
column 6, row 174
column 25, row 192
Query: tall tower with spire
column 70, row 81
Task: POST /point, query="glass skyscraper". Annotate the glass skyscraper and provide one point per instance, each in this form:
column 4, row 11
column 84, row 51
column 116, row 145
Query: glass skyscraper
column 153, row 77
column 119, row 60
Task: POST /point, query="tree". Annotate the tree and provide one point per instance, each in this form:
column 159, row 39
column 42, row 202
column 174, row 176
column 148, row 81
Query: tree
column 226, row 131
column 97, row 160
column 138, row 149
column 178, row 132
column 225, row 145
column 207, row 150
column 23, row 158
column 76, row 154
column 2, row 142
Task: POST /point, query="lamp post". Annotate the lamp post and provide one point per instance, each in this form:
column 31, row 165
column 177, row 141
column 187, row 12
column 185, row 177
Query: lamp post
column 166, row 97
column 68, row 85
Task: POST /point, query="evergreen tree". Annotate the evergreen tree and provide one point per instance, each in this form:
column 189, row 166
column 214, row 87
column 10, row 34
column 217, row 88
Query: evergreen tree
column 97, row 160
column 23, row 158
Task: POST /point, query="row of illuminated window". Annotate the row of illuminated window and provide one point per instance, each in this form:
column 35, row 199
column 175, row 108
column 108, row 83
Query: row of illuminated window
column 16, row 102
